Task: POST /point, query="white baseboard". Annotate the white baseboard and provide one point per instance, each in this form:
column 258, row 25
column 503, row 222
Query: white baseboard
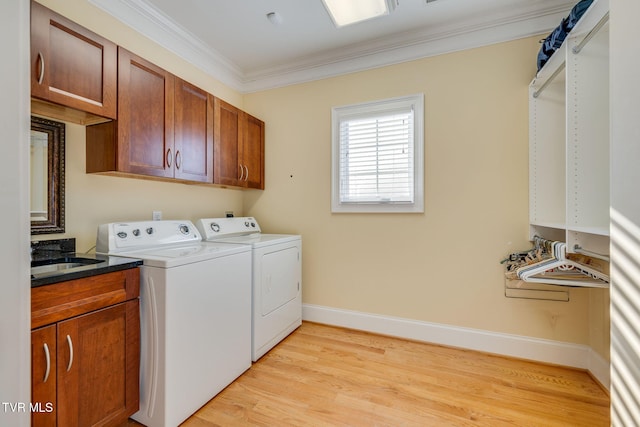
column 540, row 350
column 600, row 369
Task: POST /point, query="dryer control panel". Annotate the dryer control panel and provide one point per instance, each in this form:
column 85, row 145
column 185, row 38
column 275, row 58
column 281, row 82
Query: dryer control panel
column 218, row 228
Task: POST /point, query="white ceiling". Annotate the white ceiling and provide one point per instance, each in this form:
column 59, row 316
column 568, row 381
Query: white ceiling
column 233, row 40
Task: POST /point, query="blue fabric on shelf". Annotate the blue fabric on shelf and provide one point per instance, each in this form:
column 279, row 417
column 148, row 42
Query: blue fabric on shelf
column 577, row 12
column 557, row 36
column 552, row 43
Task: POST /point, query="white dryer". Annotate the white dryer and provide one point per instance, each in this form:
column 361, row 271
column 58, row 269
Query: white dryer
column 195, row 313
column 277, row 277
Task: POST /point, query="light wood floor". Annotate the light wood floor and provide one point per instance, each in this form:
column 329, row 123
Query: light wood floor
column 327, row 376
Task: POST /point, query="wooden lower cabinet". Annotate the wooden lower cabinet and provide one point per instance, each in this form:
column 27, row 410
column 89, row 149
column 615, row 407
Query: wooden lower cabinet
column 85, row 369
column 43, row 376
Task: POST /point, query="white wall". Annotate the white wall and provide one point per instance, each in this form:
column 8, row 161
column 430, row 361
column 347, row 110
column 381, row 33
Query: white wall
column 625, row 213
column 14, row 244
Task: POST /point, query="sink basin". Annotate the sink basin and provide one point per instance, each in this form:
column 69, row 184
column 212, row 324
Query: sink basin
column 61, row 264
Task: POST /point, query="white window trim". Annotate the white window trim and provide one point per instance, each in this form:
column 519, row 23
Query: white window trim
column 417, row 103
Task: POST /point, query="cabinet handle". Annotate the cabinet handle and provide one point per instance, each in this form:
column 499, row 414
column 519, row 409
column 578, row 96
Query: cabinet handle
column 246, row 173
column 241, row 172
column 47, row 356
column 70, row 353
column 178, row 158
column 41, row 74
column 169, row 157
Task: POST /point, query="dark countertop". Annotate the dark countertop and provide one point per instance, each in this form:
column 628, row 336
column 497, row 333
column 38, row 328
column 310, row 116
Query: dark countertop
column 107, row 264
column 49, row 256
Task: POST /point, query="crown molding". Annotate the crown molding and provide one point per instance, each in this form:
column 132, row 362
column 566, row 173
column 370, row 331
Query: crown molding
column 148, row 21
column 477, row 32
column 422, row 45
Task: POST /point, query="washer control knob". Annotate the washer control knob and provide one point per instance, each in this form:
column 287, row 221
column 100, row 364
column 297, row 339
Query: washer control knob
column 215, row 227
column 136, row 232
column 149, row 230
column 253, row 224
column 184, row 229
column 122, row 234
column 246, row 224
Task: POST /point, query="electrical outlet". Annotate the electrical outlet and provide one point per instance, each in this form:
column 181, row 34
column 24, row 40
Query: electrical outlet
column 157, row 215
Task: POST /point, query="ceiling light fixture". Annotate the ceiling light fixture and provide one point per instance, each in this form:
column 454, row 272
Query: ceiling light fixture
column 349, row 12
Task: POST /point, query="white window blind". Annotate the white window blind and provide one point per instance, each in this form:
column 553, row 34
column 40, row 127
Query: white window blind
column 377, row 158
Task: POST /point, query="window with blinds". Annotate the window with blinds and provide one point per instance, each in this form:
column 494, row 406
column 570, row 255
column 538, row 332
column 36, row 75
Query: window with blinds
column 377, row 156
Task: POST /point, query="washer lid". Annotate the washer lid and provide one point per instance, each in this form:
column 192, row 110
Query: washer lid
column 174, row 256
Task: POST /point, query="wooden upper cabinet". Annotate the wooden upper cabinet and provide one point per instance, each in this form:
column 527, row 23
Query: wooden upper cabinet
column 164, row 127
column 253, row 151
column 193, row 131
column 141, row 140
column 70, row 65
column 239, row 147
column 145, row 119
column 226, row 139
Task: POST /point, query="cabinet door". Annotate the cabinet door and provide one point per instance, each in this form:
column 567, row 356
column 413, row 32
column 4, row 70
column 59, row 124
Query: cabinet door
column 253, row 152
column 43, row 376
column 70, row 65
column 145, row 118
column 226, row 139
column 98, row 366
column 193, row 133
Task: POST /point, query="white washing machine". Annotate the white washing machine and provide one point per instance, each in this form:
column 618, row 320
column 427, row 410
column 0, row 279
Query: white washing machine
column 195, row 314
column 277, row 277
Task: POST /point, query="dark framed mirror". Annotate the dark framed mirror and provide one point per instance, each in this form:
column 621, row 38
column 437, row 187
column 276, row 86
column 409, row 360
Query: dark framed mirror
column 47, row 176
